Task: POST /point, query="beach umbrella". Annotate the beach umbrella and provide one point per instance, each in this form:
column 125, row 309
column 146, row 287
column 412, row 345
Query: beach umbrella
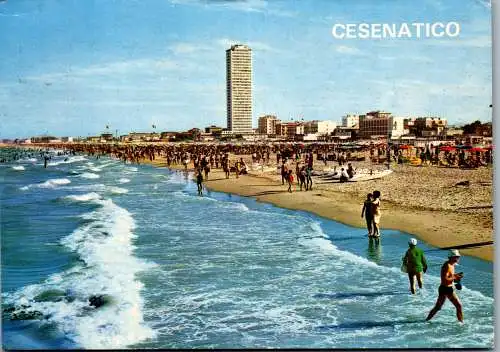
column 462, row 146
column 476, row 149
column 446, row 148
column 489, row 147
column 404, row 146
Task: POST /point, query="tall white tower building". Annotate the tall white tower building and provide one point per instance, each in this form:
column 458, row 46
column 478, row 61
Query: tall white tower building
column 239, row 89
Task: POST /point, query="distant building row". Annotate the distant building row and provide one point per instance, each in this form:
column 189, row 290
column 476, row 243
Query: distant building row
column 372, row 125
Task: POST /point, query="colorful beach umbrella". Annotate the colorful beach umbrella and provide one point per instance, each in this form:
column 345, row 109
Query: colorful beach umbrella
column 446, row 148
column 477, row 149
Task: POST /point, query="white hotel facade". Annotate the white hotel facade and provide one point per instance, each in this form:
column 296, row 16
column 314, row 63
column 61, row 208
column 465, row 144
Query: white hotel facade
column 239, row 89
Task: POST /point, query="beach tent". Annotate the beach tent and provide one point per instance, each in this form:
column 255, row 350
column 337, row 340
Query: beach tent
column 477, row 149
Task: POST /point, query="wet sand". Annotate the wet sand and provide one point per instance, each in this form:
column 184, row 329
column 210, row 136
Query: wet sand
column 422, row 201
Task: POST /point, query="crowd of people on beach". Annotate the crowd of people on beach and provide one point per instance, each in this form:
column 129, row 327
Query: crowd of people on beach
column 376, row 152
column 204, row 158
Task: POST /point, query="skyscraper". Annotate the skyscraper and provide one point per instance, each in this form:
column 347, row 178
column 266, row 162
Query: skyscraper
column 239, row 89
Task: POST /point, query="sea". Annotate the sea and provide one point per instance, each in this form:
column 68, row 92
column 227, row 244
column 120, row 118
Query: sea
column 172, row 269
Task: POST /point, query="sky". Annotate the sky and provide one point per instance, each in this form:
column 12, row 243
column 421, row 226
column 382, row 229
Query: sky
column 73, row 67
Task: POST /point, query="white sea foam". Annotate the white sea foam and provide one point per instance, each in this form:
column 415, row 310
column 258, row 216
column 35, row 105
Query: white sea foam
column 321, row 241
column 67, row 160
column 52, row 183
column 116, row 190
column 29, row 160
column 89, row 175
column 84, row 197
column 108, row 163
column 18, row 168
column 124, row 180
column 105, row 245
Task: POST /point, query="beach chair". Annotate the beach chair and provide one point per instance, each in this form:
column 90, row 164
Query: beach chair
column 415, row 162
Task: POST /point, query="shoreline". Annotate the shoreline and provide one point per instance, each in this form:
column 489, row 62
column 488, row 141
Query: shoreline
column 424, row 202
column 430, row 226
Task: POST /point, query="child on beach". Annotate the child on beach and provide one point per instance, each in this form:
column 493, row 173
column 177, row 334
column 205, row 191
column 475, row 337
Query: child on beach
column 367, row 212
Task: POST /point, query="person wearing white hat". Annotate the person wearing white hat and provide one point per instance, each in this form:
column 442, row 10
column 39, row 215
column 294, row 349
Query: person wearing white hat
column 446, row 290
column 415, row 263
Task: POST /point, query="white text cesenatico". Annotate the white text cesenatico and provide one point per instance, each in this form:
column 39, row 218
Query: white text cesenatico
column 393, row 30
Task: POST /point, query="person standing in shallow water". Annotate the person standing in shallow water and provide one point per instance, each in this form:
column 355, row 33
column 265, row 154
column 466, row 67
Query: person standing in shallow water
column 376, row 213
column 199, row 182
column 415, row 263
column 446, row 290
column 367, row 213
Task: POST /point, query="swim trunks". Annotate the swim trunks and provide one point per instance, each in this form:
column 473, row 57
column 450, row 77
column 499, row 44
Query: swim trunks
column 445, row 290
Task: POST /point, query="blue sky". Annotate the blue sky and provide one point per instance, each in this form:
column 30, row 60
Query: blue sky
column 71, row 67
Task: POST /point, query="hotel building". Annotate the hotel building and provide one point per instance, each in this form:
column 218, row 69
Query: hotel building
column 267, row 124
column 239, row 89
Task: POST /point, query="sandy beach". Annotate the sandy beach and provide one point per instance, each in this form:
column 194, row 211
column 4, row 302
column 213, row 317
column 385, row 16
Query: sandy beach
column 423, row 201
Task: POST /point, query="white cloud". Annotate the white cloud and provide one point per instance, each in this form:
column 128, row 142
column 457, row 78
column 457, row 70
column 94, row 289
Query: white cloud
column 348, row 50
column 112, row 69
column 481, row 41
column 183, row 48
column 485, row 3
column 254, row 45
column 257, row 6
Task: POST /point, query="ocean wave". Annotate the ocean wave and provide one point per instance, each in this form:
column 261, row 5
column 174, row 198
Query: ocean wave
column 100, row 187
column 18, row 168
column 321, row 241
column 68, row 160
column 52, row 183
column 29, row 160
column 83, row 197
column 123, row 180
column 89, row 175
column 116, row 190
column 105, row 245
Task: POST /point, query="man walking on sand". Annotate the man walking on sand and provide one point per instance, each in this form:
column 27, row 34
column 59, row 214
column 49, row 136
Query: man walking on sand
column 446, row 290
column 415, row 263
